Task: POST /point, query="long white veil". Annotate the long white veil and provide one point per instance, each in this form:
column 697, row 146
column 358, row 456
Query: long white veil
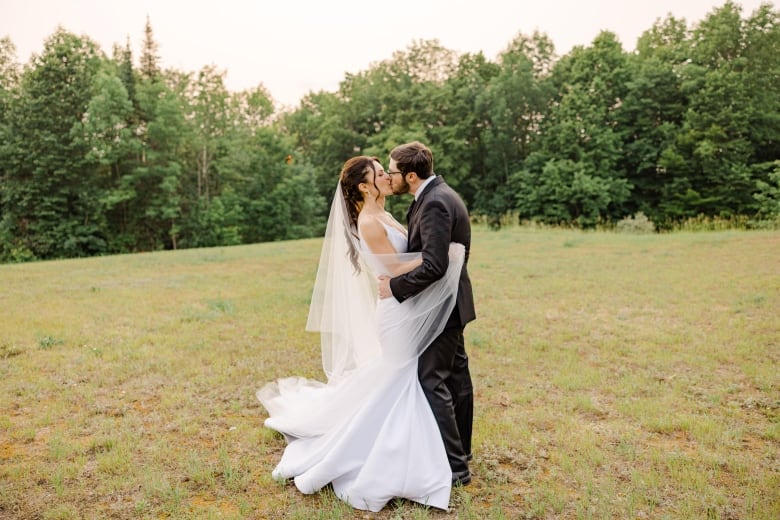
column 361, row 342
column 344, row 298
column 343, row 306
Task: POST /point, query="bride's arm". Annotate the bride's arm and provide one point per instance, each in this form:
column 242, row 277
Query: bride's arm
column 375, row 237
column 404, row 267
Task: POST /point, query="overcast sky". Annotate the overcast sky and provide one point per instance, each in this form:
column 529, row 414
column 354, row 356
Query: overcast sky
column 294, row 46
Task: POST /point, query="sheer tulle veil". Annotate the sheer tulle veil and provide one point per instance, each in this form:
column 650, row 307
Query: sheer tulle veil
column 343, row 298
column 343, row 307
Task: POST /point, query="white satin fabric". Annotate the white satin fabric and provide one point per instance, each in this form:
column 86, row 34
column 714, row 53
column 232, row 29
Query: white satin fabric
column 396, row 238
column 369, row 430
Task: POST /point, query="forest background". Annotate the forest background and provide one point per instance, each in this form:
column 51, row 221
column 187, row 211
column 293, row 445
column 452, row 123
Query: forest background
column 108, row 154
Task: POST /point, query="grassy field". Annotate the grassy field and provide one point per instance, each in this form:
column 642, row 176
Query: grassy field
column 616, row 376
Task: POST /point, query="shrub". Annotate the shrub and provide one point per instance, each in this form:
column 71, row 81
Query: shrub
column 639, row 223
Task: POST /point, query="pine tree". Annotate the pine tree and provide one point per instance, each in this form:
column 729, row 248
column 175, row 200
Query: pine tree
column 126, row 72
column 150, row 61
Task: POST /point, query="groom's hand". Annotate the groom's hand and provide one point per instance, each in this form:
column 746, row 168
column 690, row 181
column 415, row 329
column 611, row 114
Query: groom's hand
column 384, row 287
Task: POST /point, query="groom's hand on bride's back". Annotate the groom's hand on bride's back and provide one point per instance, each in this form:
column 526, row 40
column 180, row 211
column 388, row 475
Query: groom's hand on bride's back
column 384, row 287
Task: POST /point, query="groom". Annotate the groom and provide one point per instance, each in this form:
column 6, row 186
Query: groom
column 437, row 217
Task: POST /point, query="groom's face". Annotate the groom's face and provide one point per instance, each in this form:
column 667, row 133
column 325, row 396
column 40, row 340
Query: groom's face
column 397, row 180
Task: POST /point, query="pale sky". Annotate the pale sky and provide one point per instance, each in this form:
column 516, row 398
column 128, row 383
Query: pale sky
column 296, row 46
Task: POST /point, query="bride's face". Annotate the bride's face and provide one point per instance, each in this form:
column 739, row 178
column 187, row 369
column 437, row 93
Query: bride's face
column 381, row 179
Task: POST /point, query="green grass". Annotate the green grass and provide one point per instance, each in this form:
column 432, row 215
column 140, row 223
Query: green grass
column 616, row 376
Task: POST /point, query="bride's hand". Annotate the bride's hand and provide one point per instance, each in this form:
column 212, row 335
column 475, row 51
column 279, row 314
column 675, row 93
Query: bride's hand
column 384, row 287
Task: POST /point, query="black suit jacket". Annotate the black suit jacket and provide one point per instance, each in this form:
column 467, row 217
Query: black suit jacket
column 436, row 219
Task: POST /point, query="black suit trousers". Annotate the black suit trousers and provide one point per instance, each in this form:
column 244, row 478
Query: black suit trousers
column 443, row 370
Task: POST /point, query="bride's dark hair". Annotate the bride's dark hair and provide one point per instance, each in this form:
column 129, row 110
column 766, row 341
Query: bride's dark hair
column 352, row 174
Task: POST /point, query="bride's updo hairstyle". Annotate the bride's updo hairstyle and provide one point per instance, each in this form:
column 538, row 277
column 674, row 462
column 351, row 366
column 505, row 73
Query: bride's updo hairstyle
column 352, row 174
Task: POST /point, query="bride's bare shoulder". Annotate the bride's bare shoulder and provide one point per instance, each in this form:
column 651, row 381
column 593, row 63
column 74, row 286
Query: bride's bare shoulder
column 370, row 226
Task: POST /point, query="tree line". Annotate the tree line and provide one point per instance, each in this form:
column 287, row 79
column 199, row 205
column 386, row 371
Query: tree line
column 102, row 154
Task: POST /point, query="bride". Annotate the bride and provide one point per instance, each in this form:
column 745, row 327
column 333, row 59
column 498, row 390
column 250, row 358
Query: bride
column 369, row 431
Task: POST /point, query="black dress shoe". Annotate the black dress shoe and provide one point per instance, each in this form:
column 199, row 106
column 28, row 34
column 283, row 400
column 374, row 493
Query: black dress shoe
column 461, row 480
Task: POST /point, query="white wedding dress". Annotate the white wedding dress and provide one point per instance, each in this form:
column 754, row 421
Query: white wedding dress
column 369, row 431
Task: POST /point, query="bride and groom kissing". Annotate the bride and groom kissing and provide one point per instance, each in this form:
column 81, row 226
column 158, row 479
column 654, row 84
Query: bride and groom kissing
column 394, row 419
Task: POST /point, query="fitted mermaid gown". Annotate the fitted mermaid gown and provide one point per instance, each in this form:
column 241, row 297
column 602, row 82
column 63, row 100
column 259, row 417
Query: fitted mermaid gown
column 371, row 434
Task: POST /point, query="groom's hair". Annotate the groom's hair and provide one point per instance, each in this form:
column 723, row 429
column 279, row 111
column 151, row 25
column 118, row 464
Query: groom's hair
column 413, row 157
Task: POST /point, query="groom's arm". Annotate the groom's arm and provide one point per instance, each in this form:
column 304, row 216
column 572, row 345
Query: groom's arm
column 435, row 229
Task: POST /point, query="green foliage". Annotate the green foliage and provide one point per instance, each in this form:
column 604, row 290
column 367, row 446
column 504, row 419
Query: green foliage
column 512, row 104
column 51, row 188
column 99, row 156
column 462, row 153
column 291, row 210
column 768, row 193
column 575, row 172
column 566, row 192
column 217, row 223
